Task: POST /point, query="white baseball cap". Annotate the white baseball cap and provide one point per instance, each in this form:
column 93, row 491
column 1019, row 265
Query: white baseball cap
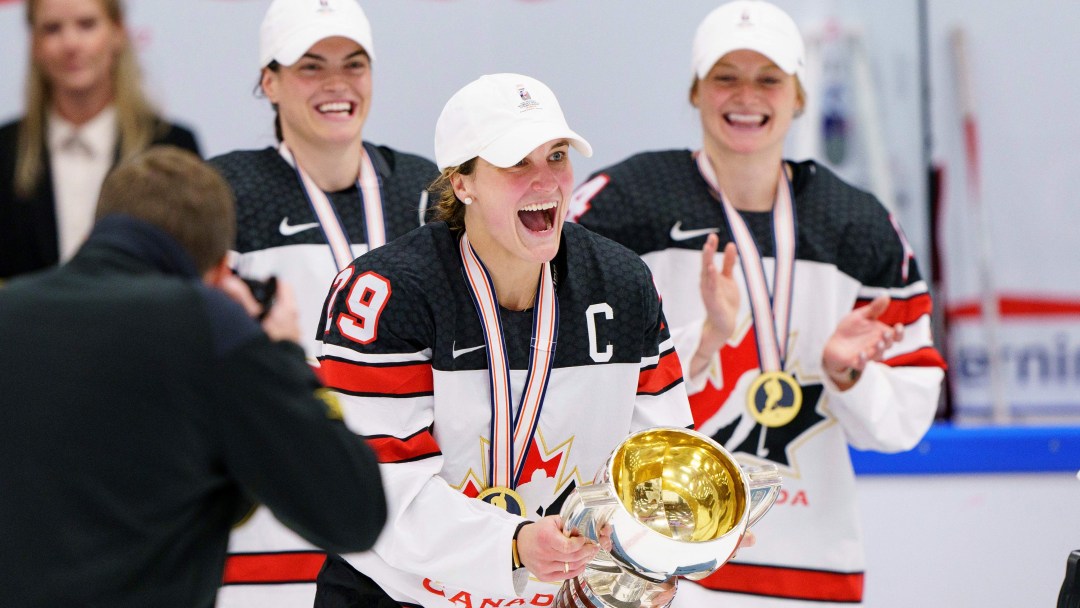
column 291, row 27
column 501, row 118
column 753, row 25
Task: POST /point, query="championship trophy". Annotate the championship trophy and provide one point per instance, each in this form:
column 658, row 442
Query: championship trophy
column 677, row 504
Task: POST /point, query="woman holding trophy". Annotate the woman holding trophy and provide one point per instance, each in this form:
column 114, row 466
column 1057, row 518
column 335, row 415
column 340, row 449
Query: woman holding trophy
column 493, row 359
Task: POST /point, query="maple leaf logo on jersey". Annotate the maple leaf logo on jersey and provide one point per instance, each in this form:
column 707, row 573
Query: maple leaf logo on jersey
column 730, row 423
column 471, row 486
column 546, row 473
column 774, row 444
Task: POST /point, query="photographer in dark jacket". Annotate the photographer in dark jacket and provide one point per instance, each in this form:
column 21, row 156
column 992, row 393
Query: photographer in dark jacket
column 143, row 410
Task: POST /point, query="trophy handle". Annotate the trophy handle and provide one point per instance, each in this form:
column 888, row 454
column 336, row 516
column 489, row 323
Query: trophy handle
column 764, row 484
column 587, row 509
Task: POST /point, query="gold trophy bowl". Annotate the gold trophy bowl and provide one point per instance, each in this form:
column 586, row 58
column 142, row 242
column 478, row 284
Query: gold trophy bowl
column 678, row 504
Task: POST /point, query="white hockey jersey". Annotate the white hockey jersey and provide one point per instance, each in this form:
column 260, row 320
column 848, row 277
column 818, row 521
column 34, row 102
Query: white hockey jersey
column 279, row 234
column 809, row 549
column 405, row 350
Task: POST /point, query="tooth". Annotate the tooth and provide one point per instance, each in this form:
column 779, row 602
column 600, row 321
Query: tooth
column 746, row 118
column 540, row 206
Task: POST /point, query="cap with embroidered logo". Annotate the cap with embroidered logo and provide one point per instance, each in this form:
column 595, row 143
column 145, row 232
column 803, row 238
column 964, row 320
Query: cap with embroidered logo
column 753, row 25
column 291, row 27
column 501, row 118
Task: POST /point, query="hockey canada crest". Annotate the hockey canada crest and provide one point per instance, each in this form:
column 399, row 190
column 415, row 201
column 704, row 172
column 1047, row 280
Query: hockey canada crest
column 546, row 479
column 779, row 415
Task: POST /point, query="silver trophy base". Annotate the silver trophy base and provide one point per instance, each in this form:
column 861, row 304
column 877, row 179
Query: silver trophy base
column 604, row 587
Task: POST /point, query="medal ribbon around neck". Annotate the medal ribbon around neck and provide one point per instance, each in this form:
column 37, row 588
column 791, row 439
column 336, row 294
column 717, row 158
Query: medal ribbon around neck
column 772, row 313
column 510, row 435
column 367, row 182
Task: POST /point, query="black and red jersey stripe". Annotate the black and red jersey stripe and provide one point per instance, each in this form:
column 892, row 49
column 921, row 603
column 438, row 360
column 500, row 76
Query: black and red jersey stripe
column 657, row 379
column 396, row 449
column 410, row 379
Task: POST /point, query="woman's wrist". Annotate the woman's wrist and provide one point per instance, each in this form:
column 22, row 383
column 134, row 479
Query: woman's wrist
column 709, row 345
column 712, row 339
column 844, row 378
column 515, row 557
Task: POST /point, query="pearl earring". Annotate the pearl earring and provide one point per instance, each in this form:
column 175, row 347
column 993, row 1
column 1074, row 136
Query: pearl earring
column 467, row 200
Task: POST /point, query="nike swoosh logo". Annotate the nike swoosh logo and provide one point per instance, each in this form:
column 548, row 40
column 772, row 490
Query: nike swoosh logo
column 458, row 352
column 287, row 229
column 678, row 234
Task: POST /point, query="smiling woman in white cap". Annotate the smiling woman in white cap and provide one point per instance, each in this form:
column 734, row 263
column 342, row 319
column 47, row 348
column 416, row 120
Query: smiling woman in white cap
column 819, row 337
column 305, row 209
column 496, row 312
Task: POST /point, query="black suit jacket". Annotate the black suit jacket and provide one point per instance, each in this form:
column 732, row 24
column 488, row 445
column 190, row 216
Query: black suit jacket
column 135, row 432
column 28, row 237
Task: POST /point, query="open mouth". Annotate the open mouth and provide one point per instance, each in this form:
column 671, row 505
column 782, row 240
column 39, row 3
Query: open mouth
column 746, row 120
column 336, row 108
column 538, row 217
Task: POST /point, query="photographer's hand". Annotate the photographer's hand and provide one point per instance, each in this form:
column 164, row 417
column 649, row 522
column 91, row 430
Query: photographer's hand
column 234, row 287
column 282, row 321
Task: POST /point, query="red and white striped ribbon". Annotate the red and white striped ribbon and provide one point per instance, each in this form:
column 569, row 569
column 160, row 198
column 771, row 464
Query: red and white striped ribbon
column 510, row 436
column 772, row 312
column 367, row 183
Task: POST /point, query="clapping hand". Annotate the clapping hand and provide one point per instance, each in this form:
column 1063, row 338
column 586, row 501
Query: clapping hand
column 720, row 295
column 859, row 338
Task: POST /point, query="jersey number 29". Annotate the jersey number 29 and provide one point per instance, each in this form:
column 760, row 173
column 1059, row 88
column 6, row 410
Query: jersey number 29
column 365, row 302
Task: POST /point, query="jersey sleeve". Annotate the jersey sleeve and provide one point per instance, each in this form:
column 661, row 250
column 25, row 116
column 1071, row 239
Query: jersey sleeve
column 661, row 392
column 894, row 402
column 377, row 341
column 686, row 339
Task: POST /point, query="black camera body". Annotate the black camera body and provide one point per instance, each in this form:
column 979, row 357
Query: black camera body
column 264, row 292
column 1069, row 597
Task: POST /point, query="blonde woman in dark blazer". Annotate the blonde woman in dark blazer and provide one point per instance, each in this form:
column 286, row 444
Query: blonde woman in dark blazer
column 85, row 111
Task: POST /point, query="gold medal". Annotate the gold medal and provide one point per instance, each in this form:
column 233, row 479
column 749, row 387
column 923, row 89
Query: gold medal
column 774, row 399
column 504, row 498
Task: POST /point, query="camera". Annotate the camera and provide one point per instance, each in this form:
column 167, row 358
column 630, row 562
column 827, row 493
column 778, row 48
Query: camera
column 264, row 292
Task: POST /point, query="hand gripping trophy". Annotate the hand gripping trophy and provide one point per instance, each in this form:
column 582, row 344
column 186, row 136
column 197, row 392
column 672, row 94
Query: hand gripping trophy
column 677, row 504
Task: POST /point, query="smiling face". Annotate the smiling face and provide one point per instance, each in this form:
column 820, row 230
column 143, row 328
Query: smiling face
column 324, row 97
column 747, row 104
column 75, row 44
column 518, row 212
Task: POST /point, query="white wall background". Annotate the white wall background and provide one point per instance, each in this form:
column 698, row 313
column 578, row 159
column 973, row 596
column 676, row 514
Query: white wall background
column 1027, row 95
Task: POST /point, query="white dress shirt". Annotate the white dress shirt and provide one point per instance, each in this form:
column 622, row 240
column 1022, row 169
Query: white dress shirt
column 80, row 156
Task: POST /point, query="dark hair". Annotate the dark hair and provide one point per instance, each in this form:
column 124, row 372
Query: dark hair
column 273, row 66
column 177, row 192
column 449, row 208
